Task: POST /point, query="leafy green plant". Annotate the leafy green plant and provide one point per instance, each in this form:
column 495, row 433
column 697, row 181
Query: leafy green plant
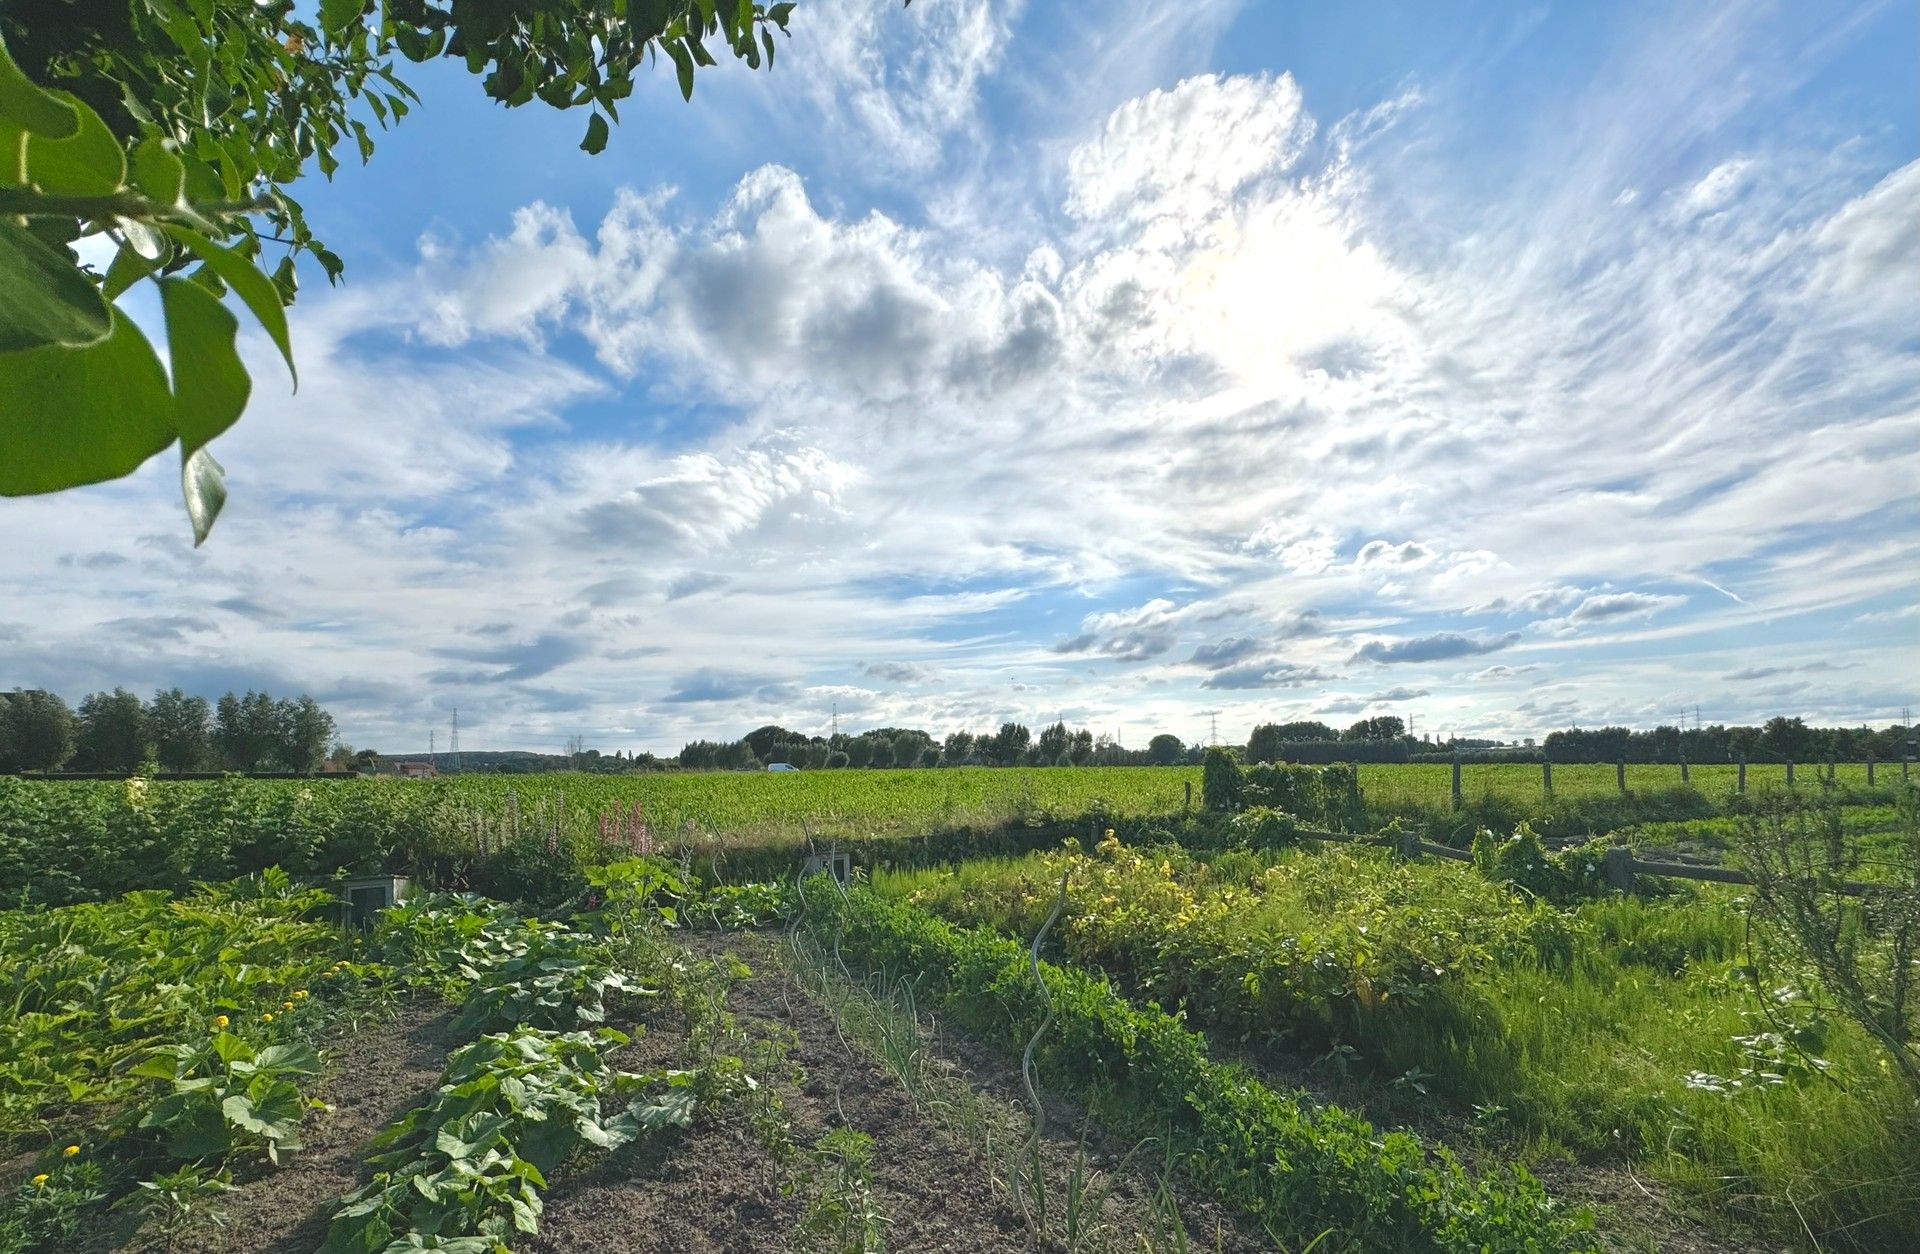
column 511, row 1106
column 182, row 1200
column 226, row 1097
column 842, row 1216
column 44, row 1211
column 1567, row 875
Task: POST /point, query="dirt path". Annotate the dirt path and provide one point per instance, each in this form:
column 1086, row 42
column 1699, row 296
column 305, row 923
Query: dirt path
column 711, row 1190
column 374, row 1075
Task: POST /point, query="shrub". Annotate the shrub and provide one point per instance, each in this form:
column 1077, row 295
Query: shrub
column 1220, row 781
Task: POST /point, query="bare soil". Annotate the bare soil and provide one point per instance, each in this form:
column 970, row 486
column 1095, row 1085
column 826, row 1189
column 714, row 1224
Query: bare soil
column 712, row 1190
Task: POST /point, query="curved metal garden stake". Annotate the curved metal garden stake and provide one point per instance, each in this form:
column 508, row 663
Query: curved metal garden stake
column 1046, row 1021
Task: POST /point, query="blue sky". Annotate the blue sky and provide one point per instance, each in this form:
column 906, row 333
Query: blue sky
column 1502, row 367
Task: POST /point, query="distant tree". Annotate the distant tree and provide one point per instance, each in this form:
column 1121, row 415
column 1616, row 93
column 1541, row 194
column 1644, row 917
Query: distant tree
column 246, row 731
column 860, row 752
column 957, row 750
column 1165, row 750
column 1009, row 744
column 1387, row 727
column 836, row 759
column 763, row 739
column 1080, row 748
column 1305, row 729
column 1263, row 744
column 1788, row 738
column 181, row 727
column 36, row 731
column 305, row 732
column 1052, row 745
column 113, row 733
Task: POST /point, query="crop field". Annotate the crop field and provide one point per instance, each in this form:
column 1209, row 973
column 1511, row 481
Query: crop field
column 612, row 1018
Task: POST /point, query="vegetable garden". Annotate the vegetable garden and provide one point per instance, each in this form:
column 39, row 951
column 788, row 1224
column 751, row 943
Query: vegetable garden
column 613, row 1017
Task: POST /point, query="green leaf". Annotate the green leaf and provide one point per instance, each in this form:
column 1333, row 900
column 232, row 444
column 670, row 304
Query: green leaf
column 646, row 19
column 596, row 139
column 683, row 66
column 293, row 1059
column 126, row 269
column 158, row 173
column 44, row 297
column 230, row 1048
column 210, row 385
column 337, row 15
column 31, row 107
column 87, row 163
column 249, row 284
column 80, row 415
column 203, row 483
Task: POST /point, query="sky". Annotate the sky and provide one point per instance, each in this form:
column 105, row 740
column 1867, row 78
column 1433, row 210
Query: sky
column 1150, row 366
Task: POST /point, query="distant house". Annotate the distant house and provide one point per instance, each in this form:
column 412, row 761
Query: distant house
column 415, row 770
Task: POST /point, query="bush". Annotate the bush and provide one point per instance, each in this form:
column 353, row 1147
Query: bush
column 1220, row 781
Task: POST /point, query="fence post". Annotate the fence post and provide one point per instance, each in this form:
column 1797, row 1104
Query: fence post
column 1869, row 772
column 1546, row 776
column 1685, row 779
column 1189, row 802
column 1743, row 773
column 1456, row 781
column 1618, row 864
column 1789, row 772
column 1409, row 845
column 1620, row 776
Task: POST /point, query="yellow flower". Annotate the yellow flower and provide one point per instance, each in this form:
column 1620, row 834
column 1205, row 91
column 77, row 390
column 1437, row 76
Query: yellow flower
column 219, row 1021
column 286, row 1005
column 70, row 1151
column 266, row 1018
column 299, row 994
column 41, row 1178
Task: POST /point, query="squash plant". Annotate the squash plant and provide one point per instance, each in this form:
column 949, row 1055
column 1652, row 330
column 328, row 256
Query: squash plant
column 465, row 1170
column 227, row 1097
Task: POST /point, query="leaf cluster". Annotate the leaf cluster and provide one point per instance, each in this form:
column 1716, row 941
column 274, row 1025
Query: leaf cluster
column 466, row 1169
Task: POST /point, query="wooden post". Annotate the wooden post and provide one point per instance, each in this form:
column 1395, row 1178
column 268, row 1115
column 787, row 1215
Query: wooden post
column 1456, row 781
column 1409, row 845
column 1620, row 776
column 1743, row 773
column 1685, row 779
column 1617, row 862
column 1189, row 802
column 1546, row 776
column 1869, row 772
column 1789, row 772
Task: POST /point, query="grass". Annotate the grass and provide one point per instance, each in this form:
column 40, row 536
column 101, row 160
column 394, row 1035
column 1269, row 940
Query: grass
column 1618, row 1028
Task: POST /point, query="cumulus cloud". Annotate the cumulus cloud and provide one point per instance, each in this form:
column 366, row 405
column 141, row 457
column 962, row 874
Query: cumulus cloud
column 1380, row 553
column 1438, row 647
column 1268, row 674
column 1400, row 694
column 1137, row 634
column 894, row 672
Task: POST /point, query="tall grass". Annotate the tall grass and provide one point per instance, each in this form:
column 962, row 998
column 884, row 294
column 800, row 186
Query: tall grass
column 1620, row 1029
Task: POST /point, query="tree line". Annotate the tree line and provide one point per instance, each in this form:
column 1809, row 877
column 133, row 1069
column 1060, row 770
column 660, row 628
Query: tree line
column 175, row 731
column 1380, row 739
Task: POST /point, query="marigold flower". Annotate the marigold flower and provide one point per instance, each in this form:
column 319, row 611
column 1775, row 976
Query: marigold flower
column 299, row 994
column 70, row 1151
column 267, row 1018
column 41, row 1178
column 220, row 1021
column 286, row 1005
